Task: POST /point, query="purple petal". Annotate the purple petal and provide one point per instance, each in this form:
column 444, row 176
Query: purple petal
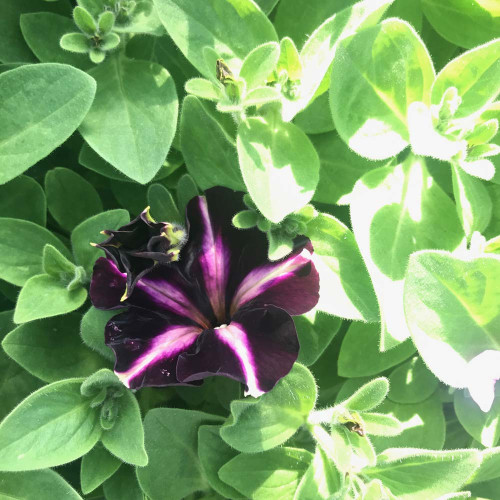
column 217, row 254
column 291, row 284
column 108, row 285
column 147, row 346
column 257, row 348
column 163, row 290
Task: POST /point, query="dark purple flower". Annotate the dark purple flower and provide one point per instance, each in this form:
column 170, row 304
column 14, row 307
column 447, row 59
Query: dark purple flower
column 222, row 309
column 141, row 244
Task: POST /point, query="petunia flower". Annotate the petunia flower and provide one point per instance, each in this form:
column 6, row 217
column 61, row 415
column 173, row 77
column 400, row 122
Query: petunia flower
column 222, row 309
column 141, row 244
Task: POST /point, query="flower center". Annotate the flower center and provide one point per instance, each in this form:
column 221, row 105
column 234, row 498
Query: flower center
column 221, row 326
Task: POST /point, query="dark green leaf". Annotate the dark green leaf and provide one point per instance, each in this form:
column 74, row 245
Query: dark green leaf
column 42, row 32
column 44, row 296
column 42, row 105
column 173, row 470
column 70, row 198
column 41, row 484
column 125, row 439
column 23, row 198
column 51, row 349
column 21, row 248
column 132, row 121
column 31, row 437
column 271, row 474
column 264, row 423
column 97, row 466
column 210, row 154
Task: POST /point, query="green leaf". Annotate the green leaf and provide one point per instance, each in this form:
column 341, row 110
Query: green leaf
column 163, row 207
column 264, row 423
column 89, row 231
column 423, row 424
column 452, row 308
column 266, row 5
column 230, row 28
column 369, row 100
column 345, row 286
column 368, row 396
column 84, row 21
column 91, row 160
column 173, row 470
column 13, row 48
column 489, row 468
column 375, row 491
column 396, row 211
column 378, row 424
column 41, row 484
column 23, row 198
column 466, row 23
column 163, row 51
column 413, row 474
column 484, row 427
column 426, row 140
column 476, row 76
column 42, row 105
column 70, row 198
column 44, row 296
column 110, row 41
column 31, row 437
column 123, row 485
column 337, row 445
column 206, row 89
column 142, row 19
column 132, row 121
column 97, row 466
column 272, row 474
column 213, row 453
column 279, row 164
column 259, row 64
column 76, row 43
column 56, row 265
column 321, row 480
column 315, row 330
column 92, row 331
column 280, row 245
column 106, row 22
column 51, row 349
column 408, row 11
column 411, row 382
column 317, row 119
column 15, row 382
column 186, row 190
column 43, row 31
column 209, row 154
column 340, row 168
column 245, row 219
column 360, row 354
column 260, row 96
column 320, row 48
column 125, row 439
column 21, row 247
column 289, row 59
column 103, row 379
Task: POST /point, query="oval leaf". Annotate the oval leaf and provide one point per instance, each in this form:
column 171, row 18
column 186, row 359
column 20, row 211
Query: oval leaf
column 133, row 119
column 42, row 105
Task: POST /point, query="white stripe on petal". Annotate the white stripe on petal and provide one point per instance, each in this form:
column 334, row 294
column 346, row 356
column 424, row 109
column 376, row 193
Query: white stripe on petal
column 235, row 337
column 260, row 279
column 166, row 345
